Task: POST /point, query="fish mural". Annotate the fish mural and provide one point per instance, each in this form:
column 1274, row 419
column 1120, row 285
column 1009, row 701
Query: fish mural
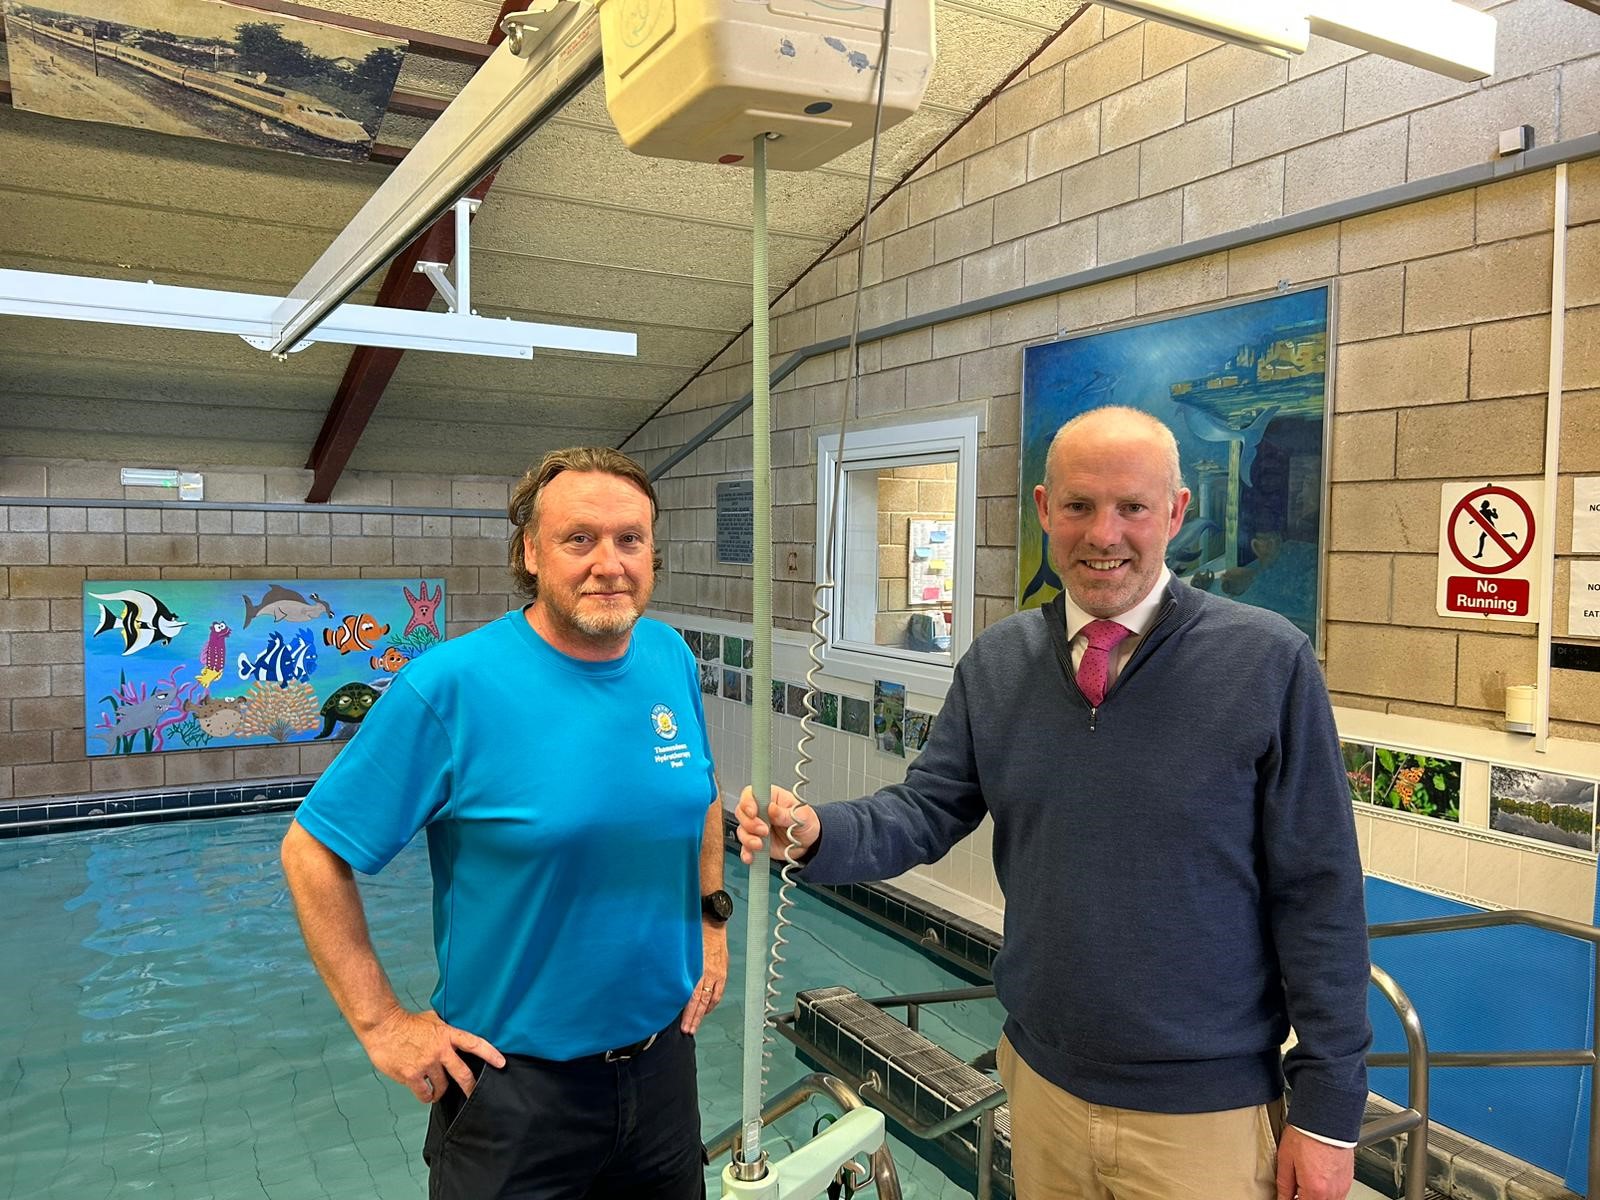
column 169, row 667
column 281, row 663
column 137, row 716
column 349, row 704
column 285, row 604
column 391, row 660
column 423, row 610
column 219, row 716
column 214, row 655
column 356, row 632
column 142, row 620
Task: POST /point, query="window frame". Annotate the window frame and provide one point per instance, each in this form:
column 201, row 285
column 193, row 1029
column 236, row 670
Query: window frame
column 883, row 447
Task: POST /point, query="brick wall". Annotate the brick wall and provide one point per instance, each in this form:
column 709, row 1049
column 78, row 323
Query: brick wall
column 46, row 553
column 1126, row 138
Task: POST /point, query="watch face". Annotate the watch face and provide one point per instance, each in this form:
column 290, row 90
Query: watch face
column 718, row 904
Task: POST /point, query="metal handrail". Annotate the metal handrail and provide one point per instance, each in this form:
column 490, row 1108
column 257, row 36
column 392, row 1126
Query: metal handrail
column 791, row 1098
column 1411, row 1120
column 1515, row 1058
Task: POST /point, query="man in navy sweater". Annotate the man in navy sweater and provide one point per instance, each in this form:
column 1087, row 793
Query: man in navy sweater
column 1173, row 833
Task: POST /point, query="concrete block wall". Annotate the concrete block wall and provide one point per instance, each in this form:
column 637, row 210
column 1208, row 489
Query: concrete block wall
column 46, row 554
column 1126, row 137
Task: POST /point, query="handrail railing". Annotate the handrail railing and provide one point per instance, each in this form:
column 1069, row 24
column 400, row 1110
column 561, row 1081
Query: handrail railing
column 1412, row 1120
column 1515, row 1058
column 791, row 1098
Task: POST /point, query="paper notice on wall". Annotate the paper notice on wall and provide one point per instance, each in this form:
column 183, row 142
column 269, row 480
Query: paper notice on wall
column 1586, row 515
column 1583, row 617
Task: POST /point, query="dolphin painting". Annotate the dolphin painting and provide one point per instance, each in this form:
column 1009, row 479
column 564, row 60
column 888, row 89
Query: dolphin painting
column 1210, row 428
column 1046, row 575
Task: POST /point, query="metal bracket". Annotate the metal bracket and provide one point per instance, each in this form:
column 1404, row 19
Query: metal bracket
column 519, row 27
column 457, row 298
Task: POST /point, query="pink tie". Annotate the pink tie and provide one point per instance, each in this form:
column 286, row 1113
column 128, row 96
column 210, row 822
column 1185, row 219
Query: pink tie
column 1094, row 669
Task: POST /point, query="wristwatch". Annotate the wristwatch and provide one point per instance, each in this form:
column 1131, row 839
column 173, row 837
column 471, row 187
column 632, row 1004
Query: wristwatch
column 717, row 907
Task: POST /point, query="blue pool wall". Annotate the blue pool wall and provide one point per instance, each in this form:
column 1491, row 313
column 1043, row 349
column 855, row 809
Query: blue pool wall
column 1490, row 989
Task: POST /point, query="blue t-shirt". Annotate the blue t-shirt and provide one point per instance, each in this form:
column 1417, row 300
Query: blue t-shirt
column 565, row 802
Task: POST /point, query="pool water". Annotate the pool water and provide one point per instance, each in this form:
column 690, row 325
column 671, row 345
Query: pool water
column 163, row 1035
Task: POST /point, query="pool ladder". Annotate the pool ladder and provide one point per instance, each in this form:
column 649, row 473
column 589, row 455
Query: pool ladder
column 1411, row 1120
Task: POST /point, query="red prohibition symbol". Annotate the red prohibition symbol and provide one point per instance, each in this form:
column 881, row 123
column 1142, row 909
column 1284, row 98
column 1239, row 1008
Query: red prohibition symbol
column 1515, row 554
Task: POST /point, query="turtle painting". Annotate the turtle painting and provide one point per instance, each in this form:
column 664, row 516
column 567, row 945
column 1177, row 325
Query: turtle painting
column 349, row 704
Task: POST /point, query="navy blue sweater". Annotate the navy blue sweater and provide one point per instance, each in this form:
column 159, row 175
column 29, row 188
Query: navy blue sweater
column 1180, row 865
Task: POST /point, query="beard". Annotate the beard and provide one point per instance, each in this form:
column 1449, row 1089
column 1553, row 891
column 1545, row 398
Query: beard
column 611, row 617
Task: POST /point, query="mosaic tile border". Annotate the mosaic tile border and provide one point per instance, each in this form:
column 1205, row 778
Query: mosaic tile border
column 26, row 818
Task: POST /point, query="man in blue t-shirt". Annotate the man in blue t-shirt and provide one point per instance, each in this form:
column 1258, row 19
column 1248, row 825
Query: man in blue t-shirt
column 558, row 760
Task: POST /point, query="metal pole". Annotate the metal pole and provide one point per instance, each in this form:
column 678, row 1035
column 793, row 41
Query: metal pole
column 1594, row 1103
column 986, row 1155
column 464, row 209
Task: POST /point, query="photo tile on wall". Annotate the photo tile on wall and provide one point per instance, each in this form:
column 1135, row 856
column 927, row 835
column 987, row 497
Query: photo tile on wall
column 1358, row 769
column 795, row 701
column 732, row 652
column 828, row 710
column 749, row 655
column 888, row 716
column 1557, row 809
column 732, row 685
column 691, row 638
column 708, row 678
column 918, row 726
column 780, row 692
column 710, row 646
column 1418, row 784
column 855, row 716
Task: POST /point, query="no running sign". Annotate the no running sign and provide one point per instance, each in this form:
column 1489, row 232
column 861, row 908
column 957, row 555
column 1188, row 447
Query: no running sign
column 1487, row 567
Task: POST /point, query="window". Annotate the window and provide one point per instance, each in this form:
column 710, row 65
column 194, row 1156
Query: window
column 903, row 558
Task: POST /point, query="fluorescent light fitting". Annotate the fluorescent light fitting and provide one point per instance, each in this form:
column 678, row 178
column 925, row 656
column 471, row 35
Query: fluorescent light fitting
column 504, row 102
column 1254, row 24
column 201, row 310
column 1436, row 35
column 148, row 477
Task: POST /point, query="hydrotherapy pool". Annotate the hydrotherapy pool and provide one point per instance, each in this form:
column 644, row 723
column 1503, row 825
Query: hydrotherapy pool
column 164, row 1035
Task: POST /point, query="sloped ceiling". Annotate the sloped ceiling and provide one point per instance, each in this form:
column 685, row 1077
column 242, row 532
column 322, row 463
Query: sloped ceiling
column 575, row 230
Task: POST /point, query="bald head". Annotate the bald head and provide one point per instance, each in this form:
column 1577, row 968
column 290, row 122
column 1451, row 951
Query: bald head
column 1111, row 499
column 1116, row 426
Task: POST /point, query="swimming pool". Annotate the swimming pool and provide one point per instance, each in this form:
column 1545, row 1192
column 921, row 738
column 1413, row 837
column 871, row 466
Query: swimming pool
column 165, row 1036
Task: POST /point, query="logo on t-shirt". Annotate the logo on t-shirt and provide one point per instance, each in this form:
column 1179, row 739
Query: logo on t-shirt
column 663, row 722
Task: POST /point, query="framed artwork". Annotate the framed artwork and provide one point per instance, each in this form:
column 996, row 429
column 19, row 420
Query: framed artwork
column 201, row 68
column 1557, row 809
column 1245, row 388
column 181, row 664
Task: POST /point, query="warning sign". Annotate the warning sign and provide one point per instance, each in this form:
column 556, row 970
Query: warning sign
column 1487, row 567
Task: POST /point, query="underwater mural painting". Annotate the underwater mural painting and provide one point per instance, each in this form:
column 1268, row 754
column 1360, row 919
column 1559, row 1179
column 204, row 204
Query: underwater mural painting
column 188, row 664
column 1245, row 389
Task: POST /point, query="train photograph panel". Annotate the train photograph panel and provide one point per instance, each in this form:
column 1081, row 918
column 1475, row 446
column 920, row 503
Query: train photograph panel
column 202, row 68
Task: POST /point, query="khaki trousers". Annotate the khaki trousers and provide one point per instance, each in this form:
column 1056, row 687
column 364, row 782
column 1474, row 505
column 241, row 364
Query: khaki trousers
column 1064, row 1148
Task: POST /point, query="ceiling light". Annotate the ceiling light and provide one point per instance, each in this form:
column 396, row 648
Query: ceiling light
column 1255, row 24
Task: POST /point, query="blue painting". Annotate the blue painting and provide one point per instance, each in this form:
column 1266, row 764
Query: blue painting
column 1244, row 389
column 174, row 664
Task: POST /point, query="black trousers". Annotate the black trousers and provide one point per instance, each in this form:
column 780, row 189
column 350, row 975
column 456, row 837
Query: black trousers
column 582, row 1130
